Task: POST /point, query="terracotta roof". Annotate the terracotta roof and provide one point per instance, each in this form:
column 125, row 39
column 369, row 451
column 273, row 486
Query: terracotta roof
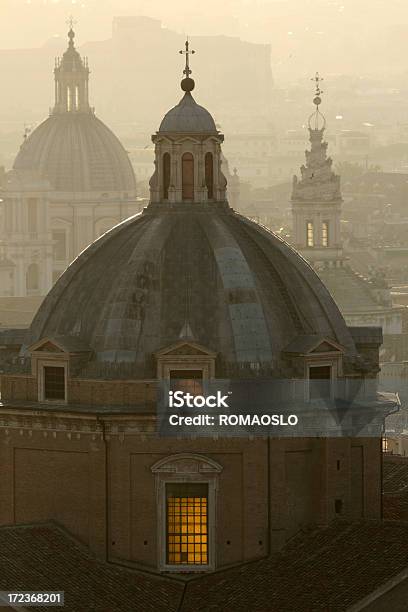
column 395, row 474
column 44, row 557
column 395, row 486
column 328, row 570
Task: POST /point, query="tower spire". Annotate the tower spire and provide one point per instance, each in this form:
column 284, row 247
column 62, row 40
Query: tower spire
column 187, row 84
column 71, row 74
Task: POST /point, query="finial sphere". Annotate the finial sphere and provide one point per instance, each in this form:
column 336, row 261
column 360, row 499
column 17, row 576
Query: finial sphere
column 187, row 84
column 317, row 100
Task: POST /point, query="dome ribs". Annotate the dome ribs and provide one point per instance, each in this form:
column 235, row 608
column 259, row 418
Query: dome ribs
column 274, row 274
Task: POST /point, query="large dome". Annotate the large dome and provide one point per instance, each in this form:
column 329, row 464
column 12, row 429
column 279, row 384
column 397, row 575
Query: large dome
column 77, row 152
column 188, row 116
column 243, row 292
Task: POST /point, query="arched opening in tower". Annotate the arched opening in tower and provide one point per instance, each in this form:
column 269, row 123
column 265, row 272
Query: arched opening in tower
column 188, row 176
column 209, row 175
column 166, row 175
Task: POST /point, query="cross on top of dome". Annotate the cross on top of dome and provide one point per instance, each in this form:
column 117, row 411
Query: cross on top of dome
column 71, row 34
column 187, row 84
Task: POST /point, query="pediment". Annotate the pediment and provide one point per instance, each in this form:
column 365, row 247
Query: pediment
column 59, row 344
column 185, row 348
column 326, row 347
column 187, row 139
column 186, row 463
column 46, row 346
column 312, row 344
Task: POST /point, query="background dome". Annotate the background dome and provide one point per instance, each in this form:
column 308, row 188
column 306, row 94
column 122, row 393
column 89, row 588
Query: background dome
column 77, row 152
column 243, row 291
column 188, row 116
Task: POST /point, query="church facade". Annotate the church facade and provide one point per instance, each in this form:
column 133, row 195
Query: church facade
column 190, row 291
column 71, row 181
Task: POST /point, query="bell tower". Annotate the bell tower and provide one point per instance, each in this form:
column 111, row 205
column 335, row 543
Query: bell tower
column 316, row 196
column 188, row 156
column 71, row 79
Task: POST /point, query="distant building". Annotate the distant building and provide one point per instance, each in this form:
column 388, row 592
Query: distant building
column 71, row 181
column 317, row 208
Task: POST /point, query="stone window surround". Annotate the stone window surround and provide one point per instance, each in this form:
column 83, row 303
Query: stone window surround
column 186, row 468
column 53, row 363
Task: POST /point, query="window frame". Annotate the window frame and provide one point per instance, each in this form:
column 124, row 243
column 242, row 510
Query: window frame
column 186, row 468
column 50, row 363
column 325, row 234
column 333, row 377
column 310, row 232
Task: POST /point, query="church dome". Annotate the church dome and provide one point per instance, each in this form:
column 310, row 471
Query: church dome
column 73, row 149
column 77, row 152
column 188, row 116
column 242, row 291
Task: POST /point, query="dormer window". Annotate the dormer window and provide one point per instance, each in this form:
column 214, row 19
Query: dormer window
column 54, row 383
column 320, row 382
column 188, row 381
column 52, row 359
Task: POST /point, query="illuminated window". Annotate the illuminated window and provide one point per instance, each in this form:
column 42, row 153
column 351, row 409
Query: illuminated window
column 187, row 524
column 54, row 383
column 188, row 381
column 69, row 100
column 76, row 97
column 325, row 233
column 309, row 234
column 385, row 445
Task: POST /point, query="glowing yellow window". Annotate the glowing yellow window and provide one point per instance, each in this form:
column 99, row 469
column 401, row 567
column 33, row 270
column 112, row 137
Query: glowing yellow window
column 325, row 233
column 309, row 234
column 187, row 524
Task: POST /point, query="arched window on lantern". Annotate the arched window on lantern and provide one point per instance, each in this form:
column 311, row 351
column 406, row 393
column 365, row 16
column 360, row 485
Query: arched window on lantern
column 187, row 164
column 166, row 175
column 209, row 175
column 69, row 99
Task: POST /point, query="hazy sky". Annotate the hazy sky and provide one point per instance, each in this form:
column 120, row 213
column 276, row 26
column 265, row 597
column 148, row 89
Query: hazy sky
column 341, row 35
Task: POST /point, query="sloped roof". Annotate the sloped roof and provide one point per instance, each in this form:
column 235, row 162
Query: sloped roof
column 330, row 569
column 44, row 557
column 351, row 292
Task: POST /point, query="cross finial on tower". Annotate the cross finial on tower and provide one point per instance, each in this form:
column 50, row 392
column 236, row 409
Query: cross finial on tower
column 187, row 71
column 318, row 92
column 71, row 34
column 71, row 22
column 317, row 119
